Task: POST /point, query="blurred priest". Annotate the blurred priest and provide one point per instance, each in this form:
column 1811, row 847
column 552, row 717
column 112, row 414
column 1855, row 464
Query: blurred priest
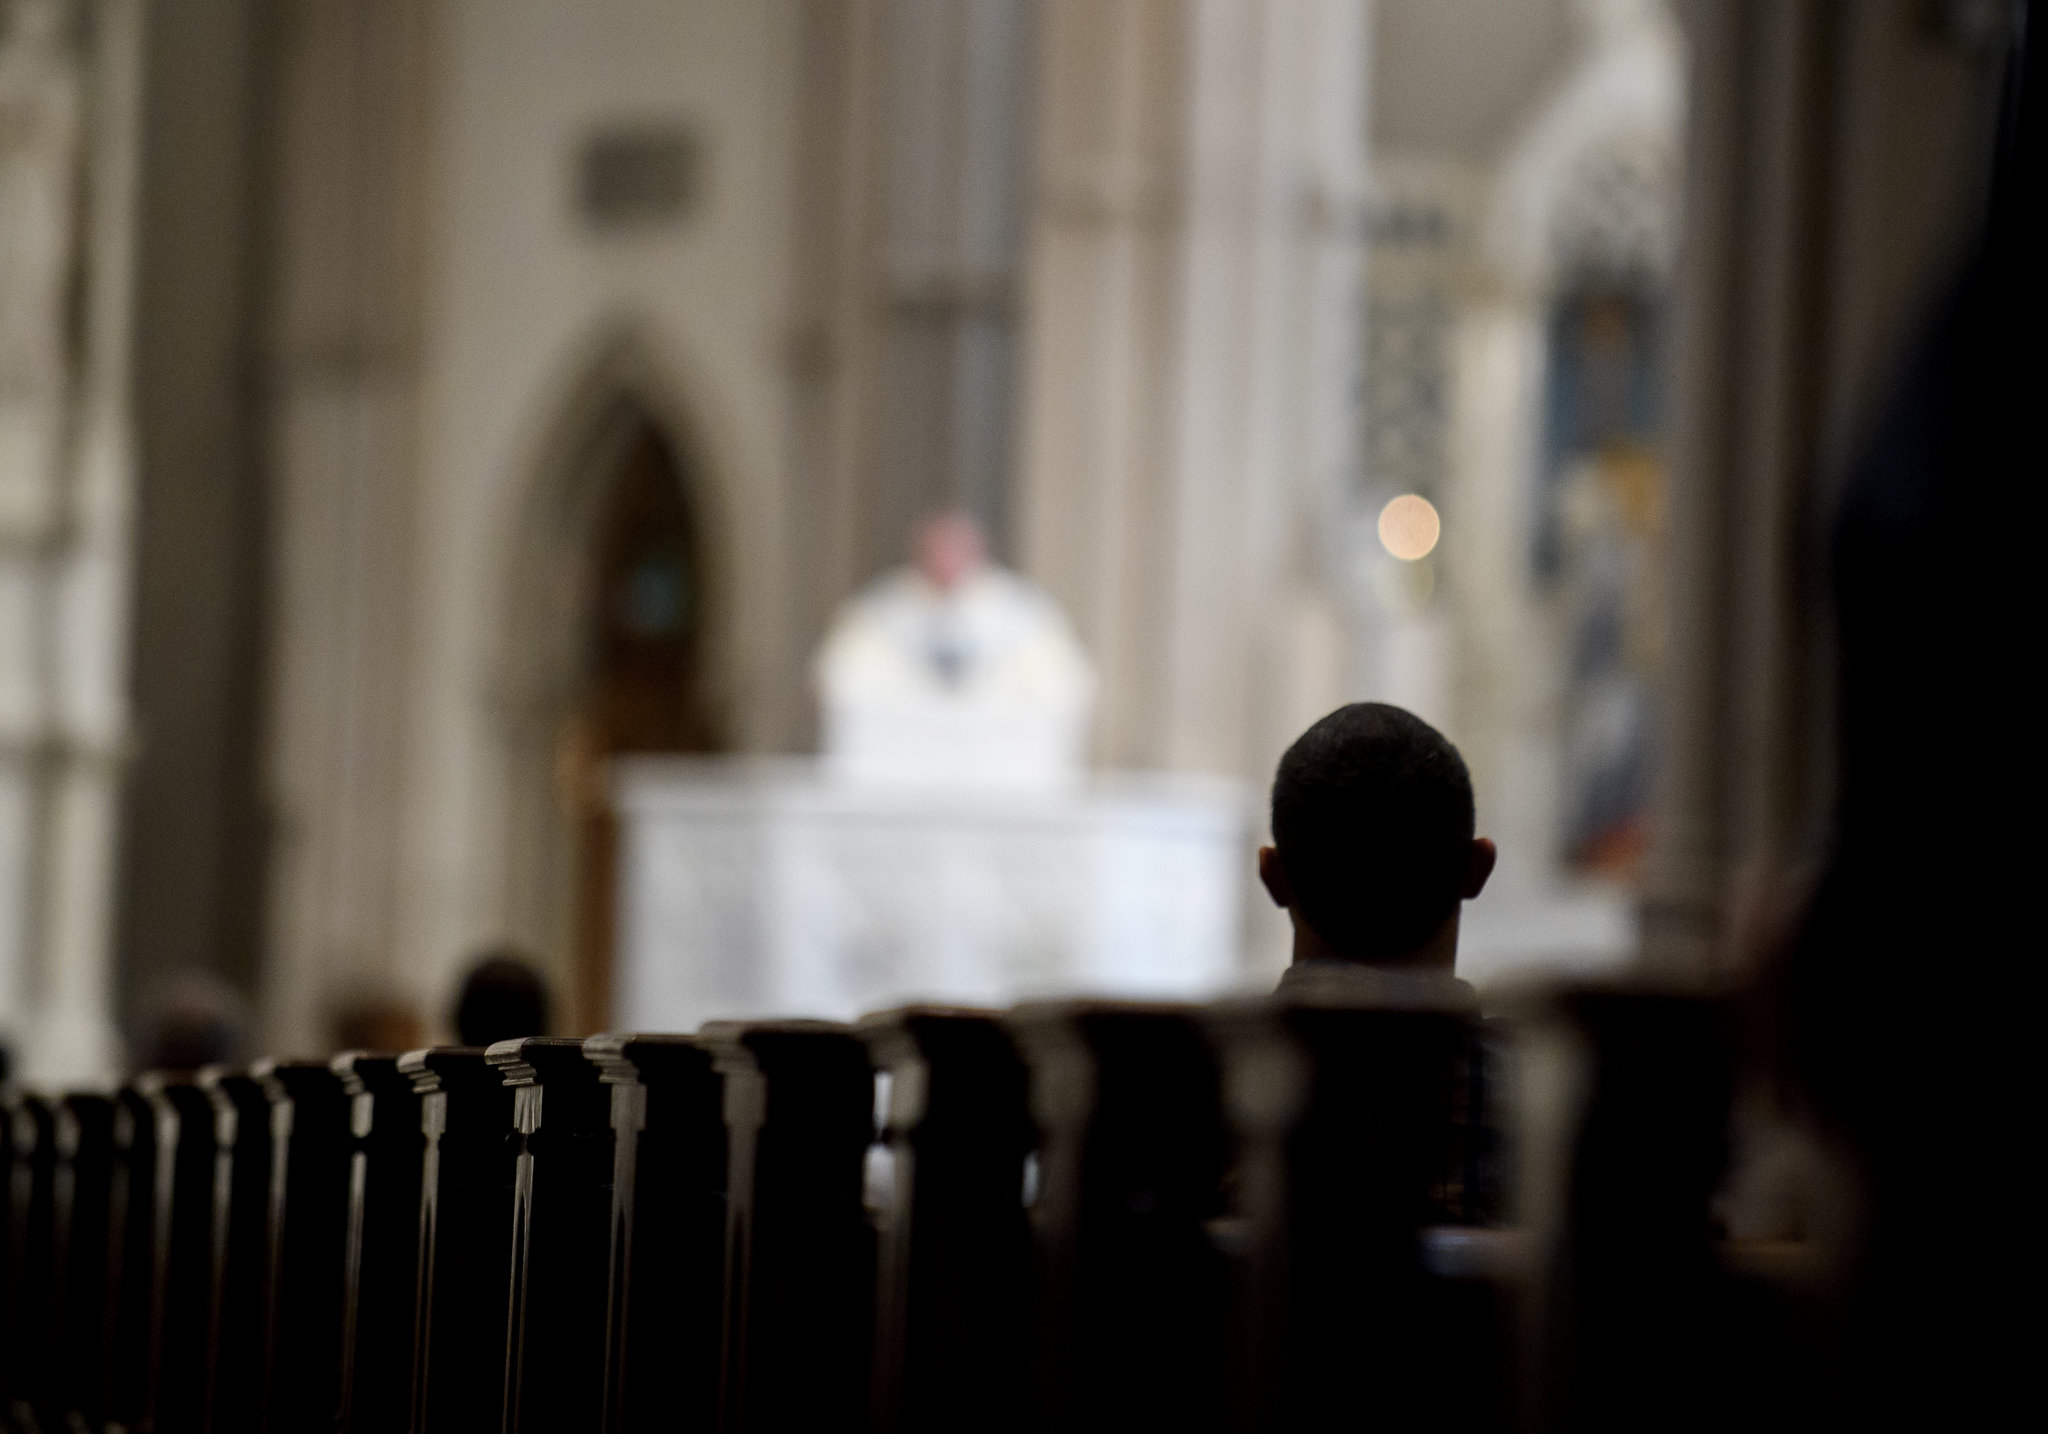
column 954, row 672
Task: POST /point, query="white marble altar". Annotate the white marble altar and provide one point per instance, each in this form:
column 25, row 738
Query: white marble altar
column 765, row 887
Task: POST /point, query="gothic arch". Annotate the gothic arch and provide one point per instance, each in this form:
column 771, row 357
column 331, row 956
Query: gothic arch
column 1592, row 178
column 619, row 421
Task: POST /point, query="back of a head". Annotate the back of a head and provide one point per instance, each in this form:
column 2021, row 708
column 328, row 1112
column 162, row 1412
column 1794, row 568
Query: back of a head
column 502, row 997
column 189, row 1020
column 1373, row 820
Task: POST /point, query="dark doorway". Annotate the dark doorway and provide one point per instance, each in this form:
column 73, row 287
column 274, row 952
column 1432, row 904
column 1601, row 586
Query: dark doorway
column 644, row 688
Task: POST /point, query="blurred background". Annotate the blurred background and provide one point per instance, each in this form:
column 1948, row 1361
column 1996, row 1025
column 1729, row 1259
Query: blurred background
column 407, row 407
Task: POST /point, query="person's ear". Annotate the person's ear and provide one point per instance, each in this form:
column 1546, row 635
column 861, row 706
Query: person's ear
column 1273, row 876
column 1479, row 866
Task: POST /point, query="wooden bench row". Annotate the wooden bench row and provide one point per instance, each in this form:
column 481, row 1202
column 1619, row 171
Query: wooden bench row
column 1076, row 1216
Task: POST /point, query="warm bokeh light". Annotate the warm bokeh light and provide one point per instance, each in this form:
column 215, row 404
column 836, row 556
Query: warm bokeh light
column 1409, row 527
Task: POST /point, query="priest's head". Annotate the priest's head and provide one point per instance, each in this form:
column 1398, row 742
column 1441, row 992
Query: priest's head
column 1373, row 847
column 950, row 549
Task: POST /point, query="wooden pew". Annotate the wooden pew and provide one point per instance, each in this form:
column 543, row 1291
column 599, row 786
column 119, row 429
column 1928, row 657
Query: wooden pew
column 953, row 1322
column 11, row 1133
column 238, row 1360
column 1100, row 1215
column 181, row 1307
column 1133, row 1288
column 562, row 1205
column 667, row 1265
column 128, row 1340
column 466, row 1191
column 380, row 1279
column 1349, row 1106
column 81, row 1227
column 30, row 1292
column 308, row 1239
column 1628, row 1093
column 799, row 1115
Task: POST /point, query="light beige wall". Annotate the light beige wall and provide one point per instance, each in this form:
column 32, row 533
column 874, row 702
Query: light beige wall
column 521, row 295
column 518, row 302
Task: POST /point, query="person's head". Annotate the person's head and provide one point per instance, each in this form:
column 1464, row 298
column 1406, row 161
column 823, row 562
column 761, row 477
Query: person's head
column 502, row 997
column 375, row 1023
column 1373, row 845
column 950, row 549
column 188, row 1020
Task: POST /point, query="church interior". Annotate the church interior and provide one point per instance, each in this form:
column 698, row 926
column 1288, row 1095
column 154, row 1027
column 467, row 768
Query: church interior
column 807, row 525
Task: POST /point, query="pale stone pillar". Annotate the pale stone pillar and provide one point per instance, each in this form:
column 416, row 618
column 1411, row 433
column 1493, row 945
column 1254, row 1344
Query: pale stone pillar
column 1508, row 673
column 836, row 337
column 1191, row 348
column 1099, row 339
column 344, row 355
column 68, row 108
column 1836, row 152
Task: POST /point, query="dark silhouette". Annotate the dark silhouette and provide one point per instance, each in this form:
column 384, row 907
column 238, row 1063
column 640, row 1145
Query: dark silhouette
column 1373, row 846
column 376, row 1023
column 1907, row 1024
column 193, row 1020
column 502, row 998
column 1373, row 853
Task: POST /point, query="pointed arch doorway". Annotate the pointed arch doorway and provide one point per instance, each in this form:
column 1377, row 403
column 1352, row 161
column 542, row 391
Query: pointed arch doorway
column 608, row 654
column 644, row 688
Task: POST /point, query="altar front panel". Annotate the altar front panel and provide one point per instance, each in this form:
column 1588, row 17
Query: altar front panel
column 755, row 888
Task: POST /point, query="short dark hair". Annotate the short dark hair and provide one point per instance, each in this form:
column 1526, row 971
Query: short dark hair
column 503, row 996
column 1372, row 816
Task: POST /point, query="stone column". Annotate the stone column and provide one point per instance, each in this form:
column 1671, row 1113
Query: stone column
column 343, row 337
column 68, row 140
column 1836, row 154
column 913, row 174
column 835, row 343
column 192, row 822
column 1190, row 354
column 1509, row 676
column 1189, row 368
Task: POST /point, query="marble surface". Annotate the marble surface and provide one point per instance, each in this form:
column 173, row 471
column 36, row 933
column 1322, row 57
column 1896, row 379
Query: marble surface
column 761, row 887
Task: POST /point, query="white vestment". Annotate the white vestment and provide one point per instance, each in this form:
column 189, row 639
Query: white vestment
column 985, row 685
